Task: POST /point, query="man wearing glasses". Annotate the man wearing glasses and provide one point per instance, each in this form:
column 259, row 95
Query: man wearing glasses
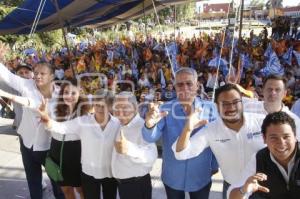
column 233, row 138
column 167, row 122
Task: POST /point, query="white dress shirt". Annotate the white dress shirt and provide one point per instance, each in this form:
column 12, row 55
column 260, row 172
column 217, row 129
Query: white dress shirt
column 255, row 106
column 140, row 156
column 68, row 137
column 31, row 130
column 232, row 149
column 296, row 108
column 96, row 143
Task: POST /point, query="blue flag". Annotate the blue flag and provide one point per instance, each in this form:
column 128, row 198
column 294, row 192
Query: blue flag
column 297, row 55
column 268, row 51
column 273, row 66
column 287, row 57
column 246, row 62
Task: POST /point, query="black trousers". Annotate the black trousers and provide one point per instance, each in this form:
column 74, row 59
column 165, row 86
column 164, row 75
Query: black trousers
column 33, row 161
column 135, row 188
column 91, row 187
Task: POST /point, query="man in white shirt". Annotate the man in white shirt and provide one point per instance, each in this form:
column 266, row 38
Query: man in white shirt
column 233, row 138
column 133, row 157
column 274, row 90
column 274, row 172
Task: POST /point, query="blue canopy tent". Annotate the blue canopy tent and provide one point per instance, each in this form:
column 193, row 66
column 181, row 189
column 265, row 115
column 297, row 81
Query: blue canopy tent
column 56, row 14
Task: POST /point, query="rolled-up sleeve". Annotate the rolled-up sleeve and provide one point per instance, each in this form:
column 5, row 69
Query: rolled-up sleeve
column 153, row 134
column 195, row 146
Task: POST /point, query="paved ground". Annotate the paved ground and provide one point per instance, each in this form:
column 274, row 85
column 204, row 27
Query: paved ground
column 12, row 177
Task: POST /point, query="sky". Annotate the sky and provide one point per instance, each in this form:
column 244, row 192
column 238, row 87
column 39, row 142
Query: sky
column 284, row 3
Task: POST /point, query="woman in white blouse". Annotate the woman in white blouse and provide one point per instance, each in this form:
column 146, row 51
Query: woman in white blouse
column 71, row 104
column 97, row 133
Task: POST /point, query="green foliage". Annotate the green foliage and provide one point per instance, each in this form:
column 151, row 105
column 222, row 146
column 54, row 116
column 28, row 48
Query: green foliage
column 185, row 11
column 257, row 3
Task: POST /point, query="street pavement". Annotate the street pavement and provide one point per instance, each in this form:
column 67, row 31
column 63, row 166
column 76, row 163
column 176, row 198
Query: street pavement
column 13, row 183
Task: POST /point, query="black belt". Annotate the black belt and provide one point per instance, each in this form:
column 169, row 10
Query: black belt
column 133, row 179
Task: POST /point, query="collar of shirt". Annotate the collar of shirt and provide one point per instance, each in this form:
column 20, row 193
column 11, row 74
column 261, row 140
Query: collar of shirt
column 286, row 175
column 134, row 120
column 246, row 119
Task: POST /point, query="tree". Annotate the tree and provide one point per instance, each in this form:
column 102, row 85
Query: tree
column 274, row 4
column 257, row 3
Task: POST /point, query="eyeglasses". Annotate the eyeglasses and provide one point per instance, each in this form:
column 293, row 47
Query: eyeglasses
column 229, row 104
column 188, row 84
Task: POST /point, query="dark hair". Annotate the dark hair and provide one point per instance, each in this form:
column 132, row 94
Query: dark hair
column 275, row 77
column 62, row 110
column 224, row 88
column 48, row 65
column 277, row 118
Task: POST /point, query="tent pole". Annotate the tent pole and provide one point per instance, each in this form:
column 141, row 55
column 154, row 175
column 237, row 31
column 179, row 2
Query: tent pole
column 145, row 17
column 64, row 35
column 241, row 19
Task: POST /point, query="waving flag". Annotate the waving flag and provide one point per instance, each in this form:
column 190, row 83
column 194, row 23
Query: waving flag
column 172, row 49
column 273, row 66
column 268, row 51
column 297, row 55
column 287, row 57
column 246, row 62
column 223, row 64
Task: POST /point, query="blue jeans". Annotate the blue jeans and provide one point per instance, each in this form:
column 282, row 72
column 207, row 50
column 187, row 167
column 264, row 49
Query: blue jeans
column 177, row 194
column 33, row 161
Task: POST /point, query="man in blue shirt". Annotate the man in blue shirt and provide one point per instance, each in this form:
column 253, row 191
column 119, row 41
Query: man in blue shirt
column 180, row 176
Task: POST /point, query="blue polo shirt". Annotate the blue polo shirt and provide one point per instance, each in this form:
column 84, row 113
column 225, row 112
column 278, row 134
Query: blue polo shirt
column 186, row 175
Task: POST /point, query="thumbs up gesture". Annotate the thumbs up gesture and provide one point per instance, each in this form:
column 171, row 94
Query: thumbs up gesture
column 121, row 145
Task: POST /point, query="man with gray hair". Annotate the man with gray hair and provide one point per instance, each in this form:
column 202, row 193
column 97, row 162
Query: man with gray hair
column 167, row 121
column 132, row 157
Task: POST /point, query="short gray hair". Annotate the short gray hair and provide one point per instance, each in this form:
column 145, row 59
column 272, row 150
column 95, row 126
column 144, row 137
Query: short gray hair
column 188, row 70
column 129, row 95
column 103, row 94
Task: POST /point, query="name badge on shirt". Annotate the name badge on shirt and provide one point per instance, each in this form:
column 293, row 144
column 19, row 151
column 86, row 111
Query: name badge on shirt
column 222, row 140
column 253, row 135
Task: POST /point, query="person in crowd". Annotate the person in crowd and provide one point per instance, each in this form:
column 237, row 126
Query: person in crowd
column 192, row 175
column 24, row 71
column 70, row 105
column 169, row 93
column 97, row 134
column 274, row 171
column 274, row 90
column 233, row 138
column 34, row 143
column 132, row 157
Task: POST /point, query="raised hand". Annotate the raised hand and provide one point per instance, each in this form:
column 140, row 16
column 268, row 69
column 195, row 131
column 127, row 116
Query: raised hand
column 43, row 111
column 121, row 145
column 193, row 120
column 154, row 115
column 251, row 185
